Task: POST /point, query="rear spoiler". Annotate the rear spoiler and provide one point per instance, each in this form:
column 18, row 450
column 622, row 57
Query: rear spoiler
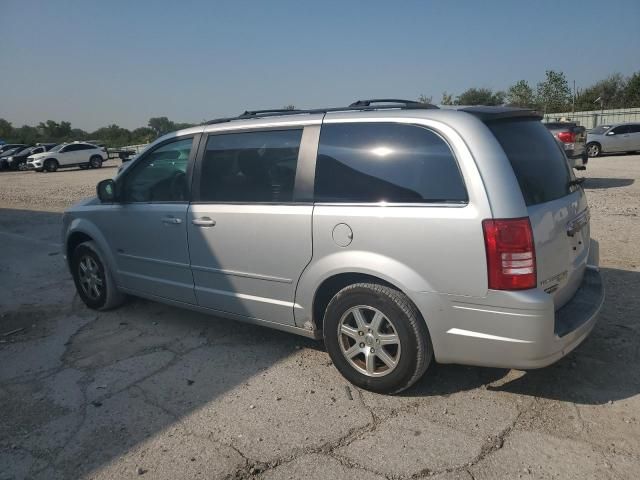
column 486, row 114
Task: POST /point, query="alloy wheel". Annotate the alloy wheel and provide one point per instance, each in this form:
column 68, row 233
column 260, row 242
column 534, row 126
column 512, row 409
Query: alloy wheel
column 369, row 341
column 89, row 277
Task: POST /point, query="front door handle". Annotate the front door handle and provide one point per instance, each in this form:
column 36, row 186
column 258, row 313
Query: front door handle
column 203, row 222
column 171, row 220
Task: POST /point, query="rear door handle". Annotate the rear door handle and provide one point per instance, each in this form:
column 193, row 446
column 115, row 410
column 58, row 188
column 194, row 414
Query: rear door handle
column 171, row 220
column 203, row 222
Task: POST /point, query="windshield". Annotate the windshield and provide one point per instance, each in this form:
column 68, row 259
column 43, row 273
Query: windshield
column 600, row 130
column 57, row 147
column 24, row 151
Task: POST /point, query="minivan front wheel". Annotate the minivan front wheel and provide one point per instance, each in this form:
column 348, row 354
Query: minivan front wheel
column 377, row 338
column 93, row 280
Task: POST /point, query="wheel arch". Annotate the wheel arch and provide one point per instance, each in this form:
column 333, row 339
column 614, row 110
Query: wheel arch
column 81, row 230
column 323, row 279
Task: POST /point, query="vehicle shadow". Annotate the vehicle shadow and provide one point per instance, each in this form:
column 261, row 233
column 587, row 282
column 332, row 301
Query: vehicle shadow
column 605, row 367
column 594, row 183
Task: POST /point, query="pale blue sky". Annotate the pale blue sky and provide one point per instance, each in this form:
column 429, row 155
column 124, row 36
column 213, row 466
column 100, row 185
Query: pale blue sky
column 95, row 63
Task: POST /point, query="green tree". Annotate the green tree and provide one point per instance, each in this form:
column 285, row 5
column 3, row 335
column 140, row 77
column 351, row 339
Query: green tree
column 521, row 95
column 161, row 125
column 112, row 136
column 607, row 93
column 425, row 99
column 289, row 107
column 6, row 130
column 447, row 99
column 553, row 94
column 54, row 131
column 480, row 96
column 142, row 135
column 27, row 134
column 632, row 92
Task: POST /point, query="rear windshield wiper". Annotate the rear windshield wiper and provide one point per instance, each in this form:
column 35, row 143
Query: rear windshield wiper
column 576, row 181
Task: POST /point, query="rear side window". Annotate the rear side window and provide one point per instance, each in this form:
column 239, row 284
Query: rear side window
column 256, row 167
column 537, row 161
column 385, row 162
column 634, row 128
column 621, row 129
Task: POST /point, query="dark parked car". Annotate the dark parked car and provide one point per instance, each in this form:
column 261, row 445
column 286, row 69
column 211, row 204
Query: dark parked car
column 573, row 138
column 18, row 159
column 6, row 151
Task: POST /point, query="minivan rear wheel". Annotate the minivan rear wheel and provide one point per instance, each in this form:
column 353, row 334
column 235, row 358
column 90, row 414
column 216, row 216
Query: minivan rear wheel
column 94, row 282
column 376, row 337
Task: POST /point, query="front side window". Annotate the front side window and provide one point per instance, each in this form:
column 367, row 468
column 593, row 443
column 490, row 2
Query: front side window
column 256, row 167
column 161, row 175
column 385, row 162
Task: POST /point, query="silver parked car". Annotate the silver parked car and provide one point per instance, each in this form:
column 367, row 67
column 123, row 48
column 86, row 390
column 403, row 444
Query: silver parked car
column 398, row 232
column 621, row 137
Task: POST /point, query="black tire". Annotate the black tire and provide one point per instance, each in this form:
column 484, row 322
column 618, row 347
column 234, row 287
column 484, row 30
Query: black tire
column 415, row 343
column 109, row 297
column 95, row 161
column 594, row 149
column 50, row 165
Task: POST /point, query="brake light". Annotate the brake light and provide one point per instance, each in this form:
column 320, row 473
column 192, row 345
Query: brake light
column 567, row 137
column 511, row 256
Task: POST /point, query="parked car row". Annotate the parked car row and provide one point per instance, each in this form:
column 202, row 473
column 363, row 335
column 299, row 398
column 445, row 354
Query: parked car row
column 48, row 157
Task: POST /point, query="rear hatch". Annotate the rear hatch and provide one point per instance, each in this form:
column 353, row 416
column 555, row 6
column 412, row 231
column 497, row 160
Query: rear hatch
column 557, row 208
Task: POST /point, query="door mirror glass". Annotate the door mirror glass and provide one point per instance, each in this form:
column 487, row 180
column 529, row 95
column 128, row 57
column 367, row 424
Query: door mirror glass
column 611, row 133
column 106, row 191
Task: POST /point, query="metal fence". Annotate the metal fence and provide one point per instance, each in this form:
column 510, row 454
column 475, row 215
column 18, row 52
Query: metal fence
column 593, row 118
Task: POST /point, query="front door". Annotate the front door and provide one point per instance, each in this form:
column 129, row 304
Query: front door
column 148, row 228
column 249, row 240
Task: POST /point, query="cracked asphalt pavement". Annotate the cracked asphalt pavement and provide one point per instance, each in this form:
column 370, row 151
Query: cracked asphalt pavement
column 150, row 391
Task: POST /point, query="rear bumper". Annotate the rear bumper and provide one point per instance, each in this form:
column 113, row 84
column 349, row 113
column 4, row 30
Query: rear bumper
column 518, row 329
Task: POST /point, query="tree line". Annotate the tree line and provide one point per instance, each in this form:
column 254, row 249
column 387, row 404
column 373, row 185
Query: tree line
column 111, row 135
column 553, row 94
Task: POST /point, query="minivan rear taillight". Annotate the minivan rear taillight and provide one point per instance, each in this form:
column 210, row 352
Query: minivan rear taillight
column 567, row 137
column 511, row 255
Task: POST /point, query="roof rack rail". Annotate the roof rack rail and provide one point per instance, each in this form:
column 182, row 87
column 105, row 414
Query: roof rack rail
column 254, row 113
column 395, row 103
column 362, row 105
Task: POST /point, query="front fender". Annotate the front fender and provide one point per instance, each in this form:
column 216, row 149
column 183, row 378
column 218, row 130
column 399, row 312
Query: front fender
column 87, row 227
column 388, row 269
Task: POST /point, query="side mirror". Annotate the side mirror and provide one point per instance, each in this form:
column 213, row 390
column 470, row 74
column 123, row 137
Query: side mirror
column 611, row 133
column 106, row 190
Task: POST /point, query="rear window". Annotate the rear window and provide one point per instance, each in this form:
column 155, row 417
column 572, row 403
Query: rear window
column 538, row 162
column 385, row 162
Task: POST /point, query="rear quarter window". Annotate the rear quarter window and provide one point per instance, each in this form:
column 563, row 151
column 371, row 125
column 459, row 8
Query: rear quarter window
column 385, row 162
column 538, row 162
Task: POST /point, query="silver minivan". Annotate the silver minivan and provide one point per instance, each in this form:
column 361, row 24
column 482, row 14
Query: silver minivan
column 399, row 233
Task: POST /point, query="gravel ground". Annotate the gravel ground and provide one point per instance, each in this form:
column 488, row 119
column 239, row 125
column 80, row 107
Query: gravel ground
column 149, row 391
